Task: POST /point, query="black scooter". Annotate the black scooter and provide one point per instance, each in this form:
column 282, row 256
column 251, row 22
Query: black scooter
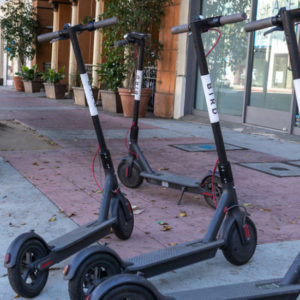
column 29, row 256
column 134, row 167
column 231, row 229
column 287, row 288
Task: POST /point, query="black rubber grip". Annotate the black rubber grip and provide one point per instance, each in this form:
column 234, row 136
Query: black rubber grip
column 121, row 43
column 180, row 29
column 106, row 23
column 48, row 36
column 233, row 18
column 260, row 24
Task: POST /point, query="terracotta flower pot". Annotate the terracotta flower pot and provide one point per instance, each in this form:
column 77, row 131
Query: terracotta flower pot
column 18, row 84
column 79, row 95
column 127, row 100
column 111, row 101
column 55, row 91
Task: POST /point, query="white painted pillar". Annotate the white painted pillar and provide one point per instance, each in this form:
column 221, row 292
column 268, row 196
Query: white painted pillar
column 54, row 51
column 72, row 60
column 181, row 63
column 97, row 50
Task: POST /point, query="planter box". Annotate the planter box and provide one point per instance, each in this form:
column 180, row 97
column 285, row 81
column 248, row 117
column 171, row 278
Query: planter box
column 111, row 101
column 33, row 86
column 55, row 91
column 79, row 96
column 127, row 99
column 18, row 84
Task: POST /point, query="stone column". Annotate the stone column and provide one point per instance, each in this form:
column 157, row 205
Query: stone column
column 72, row 60
column 97, row 51
column 54, row 52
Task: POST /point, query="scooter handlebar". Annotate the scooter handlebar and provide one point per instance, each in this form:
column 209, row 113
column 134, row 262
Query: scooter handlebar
column 48, row 36
column 213, row 22
column 90, row 26
column 105, row 23
column 233, row 18
column 260, row 24
column 121, row 43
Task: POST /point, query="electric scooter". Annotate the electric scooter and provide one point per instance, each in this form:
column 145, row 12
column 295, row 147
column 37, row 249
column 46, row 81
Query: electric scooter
column 230, row 230
column 29, row 256
column 287, row 288
column 134, row 167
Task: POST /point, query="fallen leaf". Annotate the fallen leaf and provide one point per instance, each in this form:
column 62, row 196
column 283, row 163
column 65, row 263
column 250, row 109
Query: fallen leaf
column 96, row 213
column 75, row 140
column 138, row 211
column 99, row 192
column 71, row 215
column 107, row 237
column 52, row 219
column 17, row 296
column 147, row 232
column 276, row 227
column 166, row 228
column 163, row 188
column 164, row 207
column 162, row 223
column 56, row 167
column 265, row 209
column 163, row 169
column 36, row 163
column 294, row 222
column 182, row 214
column 197, row 197
column 173, row 244
column 134, row 207
column 61, row 211
column 54, row 269
column 246, row 204
column 9, row 214
column 23, row 224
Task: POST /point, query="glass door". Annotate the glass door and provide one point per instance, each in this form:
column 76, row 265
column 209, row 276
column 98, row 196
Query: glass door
column 271, row 89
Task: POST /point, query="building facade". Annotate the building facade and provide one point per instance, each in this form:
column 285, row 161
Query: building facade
column 250, row 72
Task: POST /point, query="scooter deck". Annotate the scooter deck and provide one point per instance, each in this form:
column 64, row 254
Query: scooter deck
column 164, row 178
column 267, row 289
column 87, row 232
column 167, row 259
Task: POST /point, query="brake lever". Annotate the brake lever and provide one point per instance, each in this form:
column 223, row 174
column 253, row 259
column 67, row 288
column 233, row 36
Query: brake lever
column 277, row 28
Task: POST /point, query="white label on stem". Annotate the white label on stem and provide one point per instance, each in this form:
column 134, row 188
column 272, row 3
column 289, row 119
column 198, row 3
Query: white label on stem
column 89, row 94
column 297, row 91
column 138, row 85
column 210, row 99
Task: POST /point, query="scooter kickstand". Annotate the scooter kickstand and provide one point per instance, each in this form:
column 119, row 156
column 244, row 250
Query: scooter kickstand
column 181, row 195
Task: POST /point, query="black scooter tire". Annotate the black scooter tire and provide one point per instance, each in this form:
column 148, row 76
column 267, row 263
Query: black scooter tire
column 123, row 228
column 126, row 291
column 31, row 249
column 84, row 281
column 134, row 180
column 234, row 251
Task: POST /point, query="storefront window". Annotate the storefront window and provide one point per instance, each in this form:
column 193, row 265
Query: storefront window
column 271, row 74
column 227, row 62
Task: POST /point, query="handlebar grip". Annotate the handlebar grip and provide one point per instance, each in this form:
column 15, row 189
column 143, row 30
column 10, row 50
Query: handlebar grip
column 106, row 23
column 180, row 29
column 233, row 18
column 260, row 24
column 121, row 43
column 48, row 36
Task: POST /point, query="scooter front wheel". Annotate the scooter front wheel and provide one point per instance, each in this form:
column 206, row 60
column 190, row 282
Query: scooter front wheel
column 236, row 252
column 26, row 280
column 91, row 273
column 124, row 226
column 129, row 174
column 125, row 291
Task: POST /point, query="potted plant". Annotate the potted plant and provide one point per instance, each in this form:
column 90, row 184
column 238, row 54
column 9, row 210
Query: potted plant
column 19, row 28
column 79, row 95
column 111, row 76
column 31, row 79
column 139, row 16
column 53, row 88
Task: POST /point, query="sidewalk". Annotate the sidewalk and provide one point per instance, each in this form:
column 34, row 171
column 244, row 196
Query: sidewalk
column 49, row 148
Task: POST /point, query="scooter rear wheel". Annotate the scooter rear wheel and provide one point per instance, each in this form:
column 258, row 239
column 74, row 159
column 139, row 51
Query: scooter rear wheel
column 91, row 273
column 27, row 281
column 207, row 185
column 234, row 251
column 123, row 228
column 130, row 177
column 126, row 291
